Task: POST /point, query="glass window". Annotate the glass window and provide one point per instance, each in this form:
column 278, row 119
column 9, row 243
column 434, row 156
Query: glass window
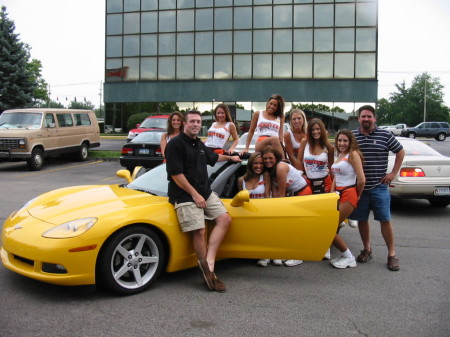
column 366, row 39
column 242, row 67
column 344, row 39
column 262, row 2
column 131, row 45
column 262, row 66
column 344, row 65
column 167, row 4
column 282, row 16
column 113, row 46
column 113, row 63
column 262, row 41
column 204, row 19
column 149, row 22
column 323, row 15
column 185, row 67
column 132, row 5
column 167, row 21
column 345, row 15
column 223, row 3
column 114, row 6
column 222, row 67
column 223, row 18
column 185, row 43
column 282, row 1
column 262, row 17
column 282, row 66
column 243, row 41
column 302, row 1
column 166, row 44
column 323, row 40
column 365, row 66
column 149, row 5
column 303, row 16
column 223, row 42
column 203, row 67
column 185, row 20
column 366, row 14
column 186, row 4
column 166, row 68
column 303, row 40
column 149, row 68
column 133, row 68
column 242, row 2
column 131, row 23
column 204, row 3
column 204, row 43
column 64, row 119
column 149, row 44
column 282, row 40
column 113, row 24
column 242, row 17
column 323, row 65
column 303, row 65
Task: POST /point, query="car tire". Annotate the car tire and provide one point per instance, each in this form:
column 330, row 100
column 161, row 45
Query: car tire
column 441, row 136
column 36, row 161
column 83, row 152
column 135, row 272
column 439, row 202
column 412, row 135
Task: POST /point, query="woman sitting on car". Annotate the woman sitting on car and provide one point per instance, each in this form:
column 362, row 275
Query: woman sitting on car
column 174, row 128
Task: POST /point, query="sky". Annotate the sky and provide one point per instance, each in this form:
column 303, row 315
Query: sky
column 68, row 37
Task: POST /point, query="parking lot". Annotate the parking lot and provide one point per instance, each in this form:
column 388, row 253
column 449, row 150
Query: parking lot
column 312, row 299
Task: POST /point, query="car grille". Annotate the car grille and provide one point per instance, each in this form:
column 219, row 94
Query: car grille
column 9, row 143
column 24, row 260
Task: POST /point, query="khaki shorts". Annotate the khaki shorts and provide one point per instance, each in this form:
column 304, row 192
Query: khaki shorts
column 192, row 217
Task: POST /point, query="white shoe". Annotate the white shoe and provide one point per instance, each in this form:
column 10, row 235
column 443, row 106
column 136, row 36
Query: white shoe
column 344, row 262
column 342, row 224
column 327, row 255
column 292, row 263
column 277, row 262
column 263, row 263
column 353, row 223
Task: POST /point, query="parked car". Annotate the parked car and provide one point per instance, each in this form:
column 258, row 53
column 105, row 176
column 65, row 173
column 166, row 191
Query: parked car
column 143, row 150
column 123, row 236
column 438, row 130
column 156, row 122
column 424, row 174
column 397, row 129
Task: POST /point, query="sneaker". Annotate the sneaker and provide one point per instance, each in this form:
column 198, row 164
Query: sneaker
column 342, row 224
column 327, row 255
column 263, row 263
column 364, row 256
column 344, row 262
column 277, row 262
column 292, row 263
column 353, row 223
column 392, row 263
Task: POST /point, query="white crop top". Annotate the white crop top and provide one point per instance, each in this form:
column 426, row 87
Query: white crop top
column 294, row 180
column 295, row 144
column 258, row 192
column 267, row 127
column 316, row 166
column 218, row 136
column 344, row 173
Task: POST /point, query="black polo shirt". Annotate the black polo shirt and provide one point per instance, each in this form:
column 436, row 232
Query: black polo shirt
column 189, row 157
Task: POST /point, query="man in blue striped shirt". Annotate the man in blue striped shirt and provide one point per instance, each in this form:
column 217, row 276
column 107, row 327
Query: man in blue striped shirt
column 375, row 145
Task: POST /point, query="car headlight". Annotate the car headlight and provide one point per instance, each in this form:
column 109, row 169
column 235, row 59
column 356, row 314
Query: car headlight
column 70, row 229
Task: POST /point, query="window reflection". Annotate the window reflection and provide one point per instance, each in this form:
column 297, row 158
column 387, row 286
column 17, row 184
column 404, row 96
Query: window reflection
column 133, row 68
column 323, row 65
column 131, row 23
column 185, row 20
column 114, row 24
column 114, row 6
column 149, row 44
column 366, row 39
column 282, row 40
column 242, row 67
column 345, row 15
column 204, row 43
column 323, row 40
column 114, row 46
column 282, row 16
column 166, row 68
column 303, row 65
column 149, row 68
column 185, row 43
column 242, row 18
column 282, row 66
column 344, row 65
column 223, row 42
column 149, row 23
column 132, row 5
column 262, row 41
column 303, row 40
column 166, row 44
column 149, row 5
column 365, row 66
column 186, row 3
column 131, row 45
column 222, row 67
column 203, row 67
column 242, row 41
column 204, row 19
column 366, row 14
column 262, row 17
column 167, row 21
column 344, row 40
column 323, row 15
column 303, row 16
column 167, row 4
column 223, row 18
column 262, row 66
column 185, row 67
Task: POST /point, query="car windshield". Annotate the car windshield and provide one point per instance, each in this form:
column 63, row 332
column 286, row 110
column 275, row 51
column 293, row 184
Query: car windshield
column 417, row 148
column 154, row 123
column 20, row 120
column 155, row 181
column 148, row 137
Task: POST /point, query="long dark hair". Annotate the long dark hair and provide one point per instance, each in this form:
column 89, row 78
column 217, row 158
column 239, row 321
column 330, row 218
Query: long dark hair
column 280, row 100
column 352, row 144
column 227, row 112
column 249, row 173
column 270, row 149
column 170, row 128
column 323, row 141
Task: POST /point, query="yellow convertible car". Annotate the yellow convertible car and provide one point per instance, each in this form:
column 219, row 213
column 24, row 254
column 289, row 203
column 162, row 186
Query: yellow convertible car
column 124, row 236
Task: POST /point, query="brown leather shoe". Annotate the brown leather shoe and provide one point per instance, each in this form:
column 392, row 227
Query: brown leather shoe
column 393, row 264
column 207, row 275
column 218, row 284
column 364, row 256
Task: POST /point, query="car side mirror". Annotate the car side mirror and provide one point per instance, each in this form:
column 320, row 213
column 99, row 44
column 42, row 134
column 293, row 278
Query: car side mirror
column 124, row 174
column 240, row 198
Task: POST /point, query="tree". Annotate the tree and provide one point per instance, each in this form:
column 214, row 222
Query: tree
column 84, row 105
column 41, row 91
column 423, row 100
column 317, row 107
column 20, row 78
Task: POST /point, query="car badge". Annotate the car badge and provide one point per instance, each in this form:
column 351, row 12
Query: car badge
column 17, row 227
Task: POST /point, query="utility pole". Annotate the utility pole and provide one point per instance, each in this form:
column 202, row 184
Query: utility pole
column 425, row 102
column 100, row 106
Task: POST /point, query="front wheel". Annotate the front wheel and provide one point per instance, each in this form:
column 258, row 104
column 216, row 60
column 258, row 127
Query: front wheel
column 83, row 152
column 412, row 135
column 36, row 161
column 131, row 260
column 441, row 136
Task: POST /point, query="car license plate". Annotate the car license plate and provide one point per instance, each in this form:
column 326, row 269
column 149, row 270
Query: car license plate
column 144, row 151
column 442, row 190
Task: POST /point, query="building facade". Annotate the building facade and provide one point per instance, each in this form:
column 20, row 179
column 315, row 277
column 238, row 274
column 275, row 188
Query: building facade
column 198, row 51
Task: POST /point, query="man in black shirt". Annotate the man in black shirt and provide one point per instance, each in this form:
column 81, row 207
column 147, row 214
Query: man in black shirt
column 189, row 190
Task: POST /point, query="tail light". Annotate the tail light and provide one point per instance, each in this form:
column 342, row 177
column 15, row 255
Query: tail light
column 127, row 150
column 412, row 172
column 158, row 152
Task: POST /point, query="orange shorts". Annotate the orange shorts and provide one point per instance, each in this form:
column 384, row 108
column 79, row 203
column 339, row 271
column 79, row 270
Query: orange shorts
column 261, row 138
column 218, row 151
column 348, row 194
column 305, row 191
column 327, row 182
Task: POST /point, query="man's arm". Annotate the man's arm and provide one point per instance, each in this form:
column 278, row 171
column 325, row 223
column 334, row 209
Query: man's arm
column 183, row 183
column 398, row 162
column 223, row 157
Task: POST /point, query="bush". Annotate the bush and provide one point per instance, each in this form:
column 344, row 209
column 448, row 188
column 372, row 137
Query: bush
column 137, row 119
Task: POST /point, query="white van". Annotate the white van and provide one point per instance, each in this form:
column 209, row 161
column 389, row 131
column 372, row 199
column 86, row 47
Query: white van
column 33, row 134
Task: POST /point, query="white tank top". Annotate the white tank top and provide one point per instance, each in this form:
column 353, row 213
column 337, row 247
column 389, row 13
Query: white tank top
column 344, row 173
column 294, row 180
column 315, row 165
column 295, row 144
column 218, row 136
column 267, row 127
column 258, row 192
